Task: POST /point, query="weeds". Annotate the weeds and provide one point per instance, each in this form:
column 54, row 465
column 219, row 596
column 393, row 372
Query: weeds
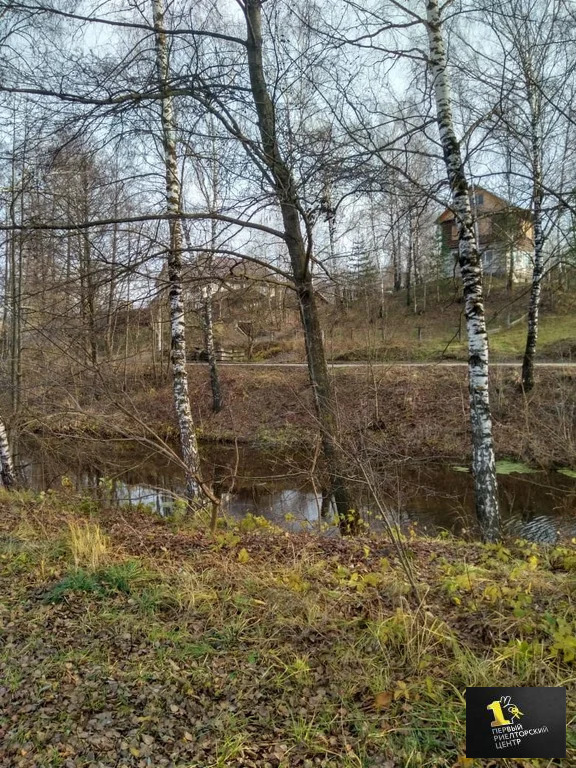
column 120, row 578
column 298, row 655
column 88, row 545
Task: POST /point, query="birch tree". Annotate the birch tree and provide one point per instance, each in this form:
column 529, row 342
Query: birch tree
column 525, row 68
column 382, row 28
column 483, row 459
column 534, row 72
column 6, row 464
column 534, row 100
column 188, row 439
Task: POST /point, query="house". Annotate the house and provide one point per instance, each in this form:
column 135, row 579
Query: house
column 504, row 233
column 248, row 301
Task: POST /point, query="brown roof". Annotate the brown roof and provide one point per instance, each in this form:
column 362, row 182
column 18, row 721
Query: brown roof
column 500, row 204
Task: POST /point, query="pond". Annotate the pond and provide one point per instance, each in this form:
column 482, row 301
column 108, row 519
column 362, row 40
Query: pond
column 428, row 497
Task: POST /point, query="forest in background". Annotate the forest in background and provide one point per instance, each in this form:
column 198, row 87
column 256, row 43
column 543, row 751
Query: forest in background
column 230, row 171
column 329, row 246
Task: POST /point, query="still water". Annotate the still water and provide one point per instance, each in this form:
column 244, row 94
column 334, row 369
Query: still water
column 428, row 497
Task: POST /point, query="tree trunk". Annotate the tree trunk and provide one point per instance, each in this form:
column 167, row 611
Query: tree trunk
column 208, row 328
column 16, row 268
column 483, row 460
column 110, row 314
column 89, row 301
column 188, row 440
column 207, row 315
column 287, row 197
column 536, row 288
column 6, row 466
column 16, row 320
column 208, row 309
column 511, row 268
column 409, row 276
column 396, row 257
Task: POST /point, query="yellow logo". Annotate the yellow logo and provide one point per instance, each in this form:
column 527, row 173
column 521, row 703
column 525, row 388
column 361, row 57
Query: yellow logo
column 497, row 707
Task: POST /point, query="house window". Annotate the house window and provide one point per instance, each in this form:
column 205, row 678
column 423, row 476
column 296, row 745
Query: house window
column 488, row 261
column 454, row 232
column 479, row 199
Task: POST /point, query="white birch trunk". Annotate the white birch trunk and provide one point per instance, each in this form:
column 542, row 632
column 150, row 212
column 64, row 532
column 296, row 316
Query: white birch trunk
column 188, row 440
column 208, row 320
column 208, row 328
column 537, row 272
column 6, row 465
column 483, row 460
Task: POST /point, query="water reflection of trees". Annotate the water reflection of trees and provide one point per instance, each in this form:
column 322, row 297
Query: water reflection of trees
column 431, row 497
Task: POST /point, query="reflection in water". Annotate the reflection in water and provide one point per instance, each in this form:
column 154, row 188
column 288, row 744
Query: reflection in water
column 161, row 501
column 428, row 497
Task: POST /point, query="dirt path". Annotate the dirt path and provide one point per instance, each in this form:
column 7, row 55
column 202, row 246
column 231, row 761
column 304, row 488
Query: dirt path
column 365, row 363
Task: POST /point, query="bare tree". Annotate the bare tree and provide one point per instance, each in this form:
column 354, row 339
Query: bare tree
column 300, row 257
column 483, row 459
column 188, row 440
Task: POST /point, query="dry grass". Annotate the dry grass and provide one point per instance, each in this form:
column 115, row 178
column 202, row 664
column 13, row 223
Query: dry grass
column 88, row 544
column 421, row 413
column 261, row 648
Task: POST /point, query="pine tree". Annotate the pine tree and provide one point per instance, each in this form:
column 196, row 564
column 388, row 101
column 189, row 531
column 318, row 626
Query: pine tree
column 364, row 271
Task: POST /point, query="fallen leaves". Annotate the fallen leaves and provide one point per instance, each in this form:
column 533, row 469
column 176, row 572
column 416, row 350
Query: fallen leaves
column 277, row 669
column 382, row 700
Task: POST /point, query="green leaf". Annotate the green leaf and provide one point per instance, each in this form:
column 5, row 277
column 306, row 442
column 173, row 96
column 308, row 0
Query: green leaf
column 508, row 467
column 243, row 556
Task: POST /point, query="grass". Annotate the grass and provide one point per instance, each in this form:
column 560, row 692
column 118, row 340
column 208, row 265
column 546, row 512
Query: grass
column 556, row 336
column 173, row 651
column 556, row 341
column 115, row 578
column 87, row 543
column 399, row 333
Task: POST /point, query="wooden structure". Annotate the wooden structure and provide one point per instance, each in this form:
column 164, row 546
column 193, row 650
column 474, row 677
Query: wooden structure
column 504, row 233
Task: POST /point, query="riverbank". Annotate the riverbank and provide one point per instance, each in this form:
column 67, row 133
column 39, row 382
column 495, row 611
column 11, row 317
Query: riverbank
column 127, row 640
column 403, row 413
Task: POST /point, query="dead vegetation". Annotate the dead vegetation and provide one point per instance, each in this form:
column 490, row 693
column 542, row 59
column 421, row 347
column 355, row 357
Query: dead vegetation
column 126, row 640
column 418, row 413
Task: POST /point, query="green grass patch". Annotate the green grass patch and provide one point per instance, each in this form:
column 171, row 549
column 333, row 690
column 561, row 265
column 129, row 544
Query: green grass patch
column 120, row 578
column 505, row 467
